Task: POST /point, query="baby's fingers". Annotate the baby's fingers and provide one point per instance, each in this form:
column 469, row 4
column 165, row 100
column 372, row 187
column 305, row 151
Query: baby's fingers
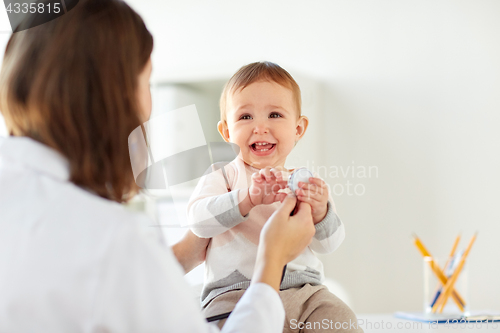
column 281, row 175
column 267, row 174
column 257, row 177
column 317, row 181
column 312, row 188
column 310, row 195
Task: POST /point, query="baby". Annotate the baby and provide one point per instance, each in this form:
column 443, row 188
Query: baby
column 261, row 114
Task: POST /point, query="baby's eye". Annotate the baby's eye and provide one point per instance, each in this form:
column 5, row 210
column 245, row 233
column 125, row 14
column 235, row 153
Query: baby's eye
column 245, row 116
column 275, row 115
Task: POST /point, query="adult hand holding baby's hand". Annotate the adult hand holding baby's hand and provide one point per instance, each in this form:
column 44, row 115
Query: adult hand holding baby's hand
column 282, row 239
column 289, row 235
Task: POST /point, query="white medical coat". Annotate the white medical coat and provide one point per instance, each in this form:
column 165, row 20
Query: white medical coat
column 71, row 261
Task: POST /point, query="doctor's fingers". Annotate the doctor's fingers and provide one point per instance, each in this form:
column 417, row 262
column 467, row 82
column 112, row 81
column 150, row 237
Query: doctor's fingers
column 280, row 196
column 303, row 213
column 287, row 206
column 302, row 224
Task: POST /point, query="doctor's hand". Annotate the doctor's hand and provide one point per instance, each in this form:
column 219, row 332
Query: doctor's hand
column 191, row 251
column 282, row 239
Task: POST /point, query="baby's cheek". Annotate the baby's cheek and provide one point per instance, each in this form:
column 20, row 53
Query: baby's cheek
column 288, row 147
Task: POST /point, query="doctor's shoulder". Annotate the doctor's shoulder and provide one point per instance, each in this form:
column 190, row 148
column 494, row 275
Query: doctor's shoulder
column 97, row 215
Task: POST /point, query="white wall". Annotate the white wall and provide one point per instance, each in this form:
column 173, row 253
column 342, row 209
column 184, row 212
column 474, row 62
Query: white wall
column 410, row 87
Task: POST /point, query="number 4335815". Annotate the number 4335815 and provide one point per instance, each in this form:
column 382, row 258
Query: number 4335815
column 33, row 8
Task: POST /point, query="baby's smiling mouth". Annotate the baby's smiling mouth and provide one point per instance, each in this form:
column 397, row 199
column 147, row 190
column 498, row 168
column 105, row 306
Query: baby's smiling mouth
column 262, row 146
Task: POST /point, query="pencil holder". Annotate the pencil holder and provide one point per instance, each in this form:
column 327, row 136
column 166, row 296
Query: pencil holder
column 442, row 292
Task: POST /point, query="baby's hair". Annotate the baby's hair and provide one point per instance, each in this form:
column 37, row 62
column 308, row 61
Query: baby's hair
column 259, row 71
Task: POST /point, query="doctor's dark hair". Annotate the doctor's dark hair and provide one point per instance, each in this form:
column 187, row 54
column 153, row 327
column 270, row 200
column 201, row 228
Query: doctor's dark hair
column 255, row 72
column 71, row 84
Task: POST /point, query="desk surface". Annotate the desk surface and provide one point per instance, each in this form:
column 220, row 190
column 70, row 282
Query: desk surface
column 371, row 323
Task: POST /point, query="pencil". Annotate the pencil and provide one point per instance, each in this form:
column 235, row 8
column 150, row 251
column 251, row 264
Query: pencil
column 443, row 298
column 439, row 289
column 453, row 249
column 437, row 271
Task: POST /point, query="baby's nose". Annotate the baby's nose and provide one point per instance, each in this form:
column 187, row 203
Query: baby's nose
column 261, row 128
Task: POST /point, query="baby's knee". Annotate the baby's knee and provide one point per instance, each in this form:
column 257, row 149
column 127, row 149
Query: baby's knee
column 334, row 315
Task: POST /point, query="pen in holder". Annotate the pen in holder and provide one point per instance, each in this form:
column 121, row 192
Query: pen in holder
column 458, row 301
column 447, row 279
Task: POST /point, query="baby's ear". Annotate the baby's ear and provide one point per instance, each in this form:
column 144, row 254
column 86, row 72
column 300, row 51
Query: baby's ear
column 223, row 130
column 302, row 124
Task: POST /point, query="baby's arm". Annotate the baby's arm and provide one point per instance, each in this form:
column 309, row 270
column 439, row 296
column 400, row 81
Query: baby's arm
column 329, row 228
column 330, row 232
column 212, row 208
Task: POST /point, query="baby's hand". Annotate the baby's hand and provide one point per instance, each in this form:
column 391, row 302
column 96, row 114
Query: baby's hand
column 265, row 186
column 316, row 194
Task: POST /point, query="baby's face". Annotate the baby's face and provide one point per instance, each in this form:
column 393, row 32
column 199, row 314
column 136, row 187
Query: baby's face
column 263, row 121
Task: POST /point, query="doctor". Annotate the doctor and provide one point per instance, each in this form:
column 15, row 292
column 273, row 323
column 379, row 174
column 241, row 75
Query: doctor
column 72, row 259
